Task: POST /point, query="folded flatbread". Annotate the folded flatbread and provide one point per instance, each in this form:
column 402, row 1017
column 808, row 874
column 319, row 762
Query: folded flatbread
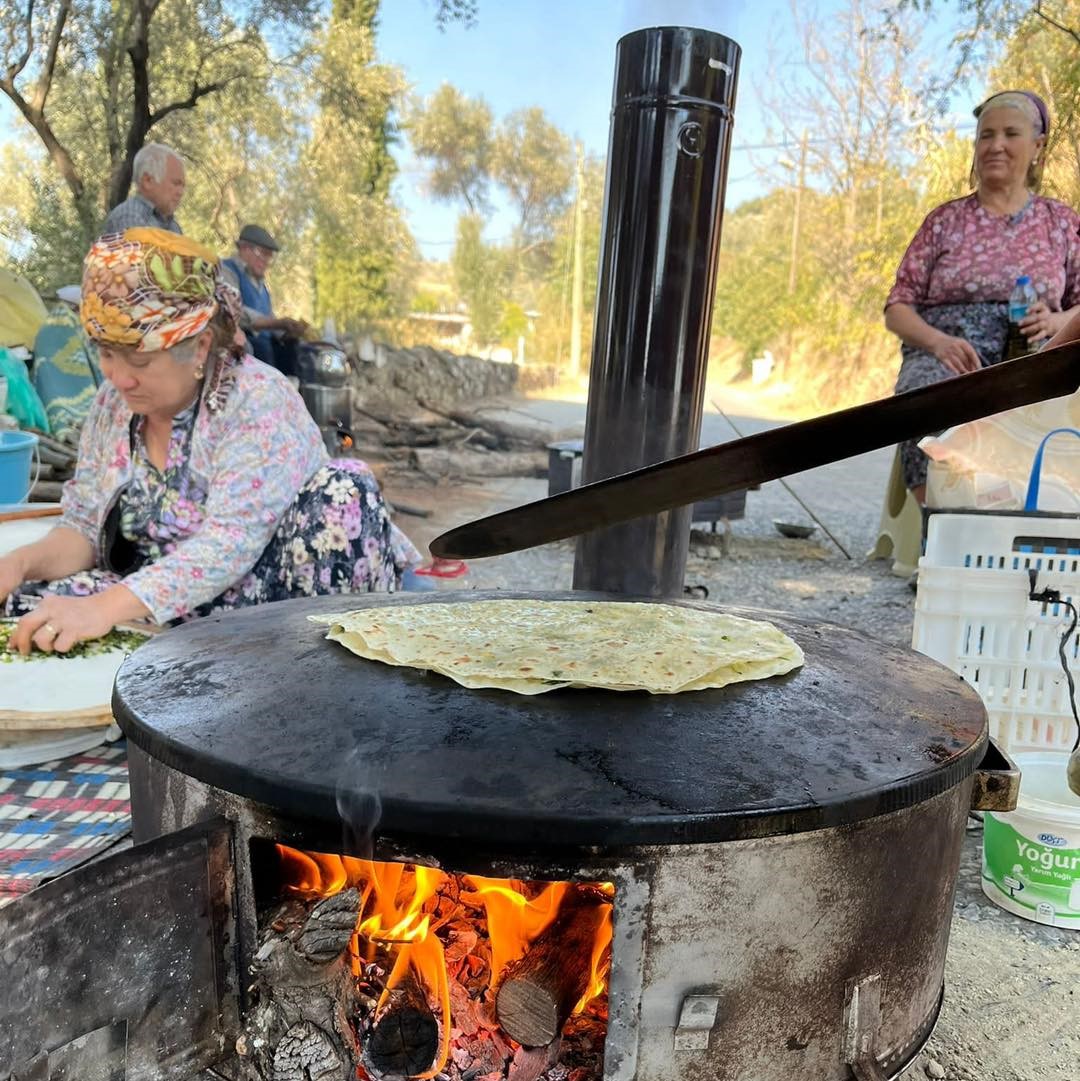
column 535, row 646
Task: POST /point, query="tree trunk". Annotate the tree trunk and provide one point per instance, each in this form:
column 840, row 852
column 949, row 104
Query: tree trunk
column 441, row 462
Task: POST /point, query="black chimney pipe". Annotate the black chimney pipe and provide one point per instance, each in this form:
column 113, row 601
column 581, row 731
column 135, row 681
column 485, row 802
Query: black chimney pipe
column 663, row 205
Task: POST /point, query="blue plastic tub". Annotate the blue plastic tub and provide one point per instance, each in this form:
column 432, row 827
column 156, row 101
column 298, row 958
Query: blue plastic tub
column 16, row 457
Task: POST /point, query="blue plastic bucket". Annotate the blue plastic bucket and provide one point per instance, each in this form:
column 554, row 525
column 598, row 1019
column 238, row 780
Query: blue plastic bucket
column 16, row 456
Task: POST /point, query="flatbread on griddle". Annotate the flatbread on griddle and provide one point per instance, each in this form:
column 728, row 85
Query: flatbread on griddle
column 531, row 646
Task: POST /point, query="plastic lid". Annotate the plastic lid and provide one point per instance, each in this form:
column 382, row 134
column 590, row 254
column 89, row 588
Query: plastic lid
column 1023, row 280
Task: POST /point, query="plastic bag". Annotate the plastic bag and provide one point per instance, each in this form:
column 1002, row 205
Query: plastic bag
column 21, row 310
column 23, row 402
column 986, row 464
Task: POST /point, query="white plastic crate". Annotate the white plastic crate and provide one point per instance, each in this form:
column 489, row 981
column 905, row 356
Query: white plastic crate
column 973, row 615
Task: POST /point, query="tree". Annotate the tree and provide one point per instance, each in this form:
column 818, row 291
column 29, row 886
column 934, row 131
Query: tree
column 553, row 298
column 111, row 50
column 534, row 161
column 453, row 133
column 481, row 278
column 362, row 247
column 867, row 175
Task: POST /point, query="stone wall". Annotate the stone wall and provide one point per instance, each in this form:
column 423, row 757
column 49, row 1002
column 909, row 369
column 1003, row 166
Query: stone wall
column 423, row 373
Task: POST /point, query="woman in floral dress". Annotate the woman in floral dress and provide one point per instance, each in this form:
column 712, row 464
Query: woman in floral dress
column 202, row 482
column 949, row 306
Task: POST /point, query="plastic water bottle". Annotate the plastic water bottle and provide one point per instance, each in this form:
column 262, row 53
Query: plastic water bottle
column 1021, row 299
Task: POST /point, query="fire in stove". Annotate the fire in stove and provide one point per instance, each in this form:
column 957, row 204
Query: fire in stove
column 405, row 971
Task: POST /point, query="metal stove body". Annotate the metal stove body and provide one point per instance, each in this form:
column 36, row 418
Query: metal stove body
column 783, row 892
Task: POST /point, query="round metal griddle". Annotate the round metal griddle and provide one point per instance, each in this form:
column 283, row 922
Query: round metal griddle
column 258, row 703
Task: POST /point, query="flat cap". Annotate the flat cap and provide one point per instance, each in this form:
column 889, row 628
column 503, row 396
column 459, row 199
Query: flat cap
column 256, row 234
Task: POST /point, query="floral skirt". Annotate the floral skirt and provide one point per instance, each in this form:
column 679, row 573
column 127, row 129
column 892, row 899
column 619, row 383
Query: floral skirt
column 984, row 325
column 336, row 537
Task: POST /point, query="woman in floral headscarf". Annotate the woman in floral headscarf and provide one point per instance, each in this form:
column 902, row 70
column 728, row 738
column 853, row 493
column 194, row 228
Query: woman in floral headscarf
column 202, row 481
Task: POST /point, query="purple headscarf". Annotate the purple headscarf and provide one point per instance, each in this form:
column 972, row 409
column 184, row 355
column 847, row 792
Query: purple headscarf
column 1041, row 111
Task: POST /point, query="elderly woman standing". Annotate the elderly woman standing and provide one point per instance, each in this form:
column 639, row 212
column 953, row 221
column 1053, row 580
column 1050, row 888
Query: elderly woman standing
column 202, row 482
column 949, row 306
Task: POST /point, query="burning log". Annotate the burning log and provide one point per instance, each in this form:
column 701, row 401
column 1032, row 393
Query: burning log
column 305, row 990
column 538, row 993
column 327, row 932
column 404, row 1038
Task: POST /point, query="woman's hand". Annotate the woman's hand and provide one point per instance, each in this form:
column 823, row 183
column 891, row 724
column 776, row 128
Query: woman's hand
column 58, row 623
column 12, row 574
column 1041, row 323
column 956, row 354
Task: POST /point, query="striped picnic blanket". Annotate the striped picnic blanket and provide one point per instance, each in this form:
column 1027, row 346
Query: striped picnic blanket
column 58, row 815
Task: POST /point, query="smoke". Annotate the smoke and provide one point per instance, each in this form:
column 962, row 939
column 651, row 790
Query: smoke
column 702, row 14
column 358, row 802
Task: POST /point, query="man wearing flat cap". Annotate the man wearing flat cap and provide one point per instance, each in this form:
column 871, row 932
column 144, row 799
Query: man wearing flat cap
column 271, row 338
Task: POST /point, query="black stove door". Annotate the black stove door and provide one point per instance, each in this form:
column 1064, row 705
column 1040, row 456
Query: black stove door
column 126, row 969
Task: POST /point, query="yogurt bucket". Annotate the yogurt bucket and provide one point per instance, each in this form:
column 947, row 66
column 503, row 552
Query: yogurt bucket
column 1031, row 856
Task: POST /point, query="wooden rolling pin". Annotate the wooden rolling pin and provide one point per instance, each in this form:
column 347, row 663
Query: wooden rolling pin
column 32, row 512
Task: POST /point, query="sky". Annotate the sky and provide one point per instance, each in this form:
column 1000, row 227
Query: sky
column 560, row 55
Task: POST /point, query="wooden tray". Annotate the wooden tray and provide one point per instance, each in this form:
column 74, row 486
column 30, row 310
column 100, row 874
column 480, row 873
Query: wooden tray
column 95, row 716
column 13, row 720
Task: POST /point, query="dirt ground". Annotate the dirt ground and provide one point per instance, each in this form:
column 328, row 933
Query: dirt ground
column 1011, row 1011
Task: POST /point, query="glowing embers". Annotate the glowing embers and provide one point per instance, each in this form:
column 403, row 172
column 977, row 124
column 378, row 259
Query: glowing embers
column 467, row 977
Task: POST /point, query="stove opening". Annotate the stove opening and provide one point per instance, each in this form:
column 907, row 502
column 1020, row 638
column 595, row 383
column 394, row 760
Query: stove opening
column 400, row 970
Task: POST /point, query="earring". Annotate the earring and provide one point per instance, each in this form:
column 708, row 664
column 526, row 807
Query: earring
column 200, row 371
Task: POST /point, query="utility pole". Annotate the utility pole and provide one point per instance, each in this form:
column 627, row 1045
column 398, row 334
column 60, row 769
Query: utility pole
column 796, row 219
column 577, row 285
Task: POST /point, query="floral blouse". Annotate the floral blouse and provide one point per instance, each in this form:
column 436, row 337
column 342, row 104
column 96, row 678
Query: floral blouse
column 964, row 254
column 232, row 471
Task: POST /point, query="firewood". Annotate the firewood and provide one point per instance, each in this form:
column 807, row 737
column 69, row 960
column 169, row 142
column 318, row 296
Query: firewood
column 394, row 507
column 47, row 491
column 507, row 436
column 48, row 446
column 328, row 929
column 306, row 1053
column 404, row 1038
column 300, row 1025
column 440, row 462
column 538, row 992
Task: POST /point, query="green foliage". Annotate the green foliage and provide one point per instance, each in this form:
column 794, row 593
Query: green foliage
column 462, row 11
column 426, row 301
column 551, row 342
column 453, row 134
column 534, row 161
column 869, row 180
column 513, row 324
column 481, row 278
column 362, row 249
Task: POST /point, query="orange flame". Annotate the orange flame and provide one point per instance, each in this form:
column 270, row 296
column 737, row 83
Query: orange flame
column 514, row 923
column 393, row 897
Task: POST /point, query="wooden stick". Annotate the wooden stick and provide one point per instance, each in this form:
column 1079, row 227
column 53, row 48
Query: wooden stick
column 537, row 993
column 32, row 512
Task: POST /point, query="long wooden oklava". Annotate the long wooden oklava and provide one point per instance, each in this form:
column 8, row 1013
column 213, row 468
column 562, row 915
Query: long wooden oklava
column 768, row 455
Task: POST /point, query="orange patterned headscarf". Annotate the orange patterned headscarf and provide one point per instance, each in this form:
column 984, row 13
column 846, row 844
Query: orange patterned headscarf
column 148, row 289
